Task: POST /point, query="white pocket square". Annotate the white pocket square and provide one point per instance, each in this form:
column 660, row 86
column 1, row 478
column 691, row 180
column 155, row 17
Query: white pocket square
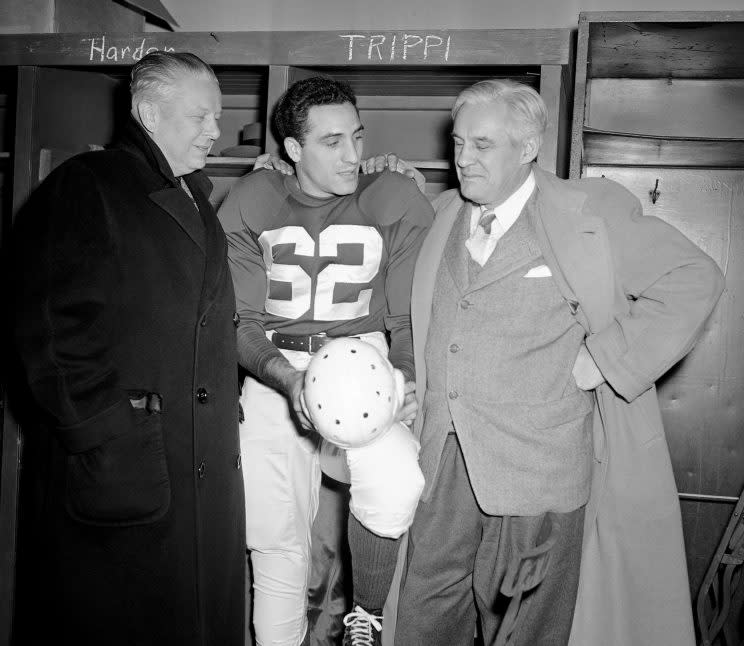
column 543, row 271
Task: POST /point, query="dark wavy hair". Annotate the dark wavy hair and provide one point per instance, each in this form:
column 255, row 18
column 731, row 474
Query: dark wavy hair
column 290, row 113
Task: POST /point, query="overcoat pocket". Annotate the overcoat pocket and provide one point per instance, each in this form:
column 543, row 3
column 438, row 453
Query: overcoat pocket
column 123, row 481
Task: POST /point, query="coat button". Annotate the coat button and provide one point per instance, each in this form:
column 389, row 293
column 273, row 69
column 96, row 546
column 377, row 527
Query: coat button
column 454, row 348
column 236, row 319
column 203, row 322
column 239, row 463
column 202, row 396
column 464, row 304
column 453, row 394
column 201, row 470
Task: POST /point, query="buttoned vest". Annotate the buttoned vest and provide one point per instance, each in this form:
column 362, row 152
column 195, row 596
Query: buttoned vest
column 500, row 351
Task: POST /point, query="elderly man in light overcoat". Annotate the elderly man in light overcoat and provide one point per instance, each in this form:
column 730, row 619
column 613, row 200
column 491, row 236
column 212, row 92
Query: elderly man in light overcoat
column 539, row 331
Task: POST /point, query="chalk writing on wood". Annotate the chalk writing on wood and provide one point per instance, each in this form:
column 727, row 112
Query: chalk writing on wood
column 398, row 47
column 103, row 50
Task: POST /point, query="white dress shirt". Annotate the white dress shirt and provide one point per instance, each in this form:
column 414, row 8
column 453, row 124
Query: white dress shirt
column 481, row 244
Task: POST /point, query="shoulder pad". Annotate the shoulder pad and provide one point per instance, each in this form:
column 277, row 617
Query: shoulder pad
column 384, row 198
column 254, row 202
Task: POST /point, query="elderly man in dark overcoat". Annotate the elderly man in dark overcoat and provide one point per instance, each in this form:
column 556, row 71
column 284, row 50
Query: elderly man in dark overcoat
column 124, row 323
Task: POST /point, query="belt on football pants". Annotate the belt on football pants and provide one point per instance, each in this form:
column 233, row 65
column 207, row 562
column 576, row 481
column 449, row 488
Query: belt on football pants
column 310, row 343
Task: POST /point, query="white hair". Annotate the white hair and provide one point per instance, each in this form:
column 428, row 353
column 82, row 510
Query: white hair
column 155, row 76
column 529, row 116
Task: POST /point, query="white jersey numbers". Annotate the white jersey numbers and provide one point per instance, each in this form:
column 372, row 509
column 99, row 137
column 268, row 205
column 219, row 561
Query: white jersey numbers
column 324, row 309
column 293, row 274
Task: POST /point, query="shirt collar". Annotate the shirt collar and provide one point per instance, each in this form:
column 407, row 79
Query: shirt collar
column 508, row 211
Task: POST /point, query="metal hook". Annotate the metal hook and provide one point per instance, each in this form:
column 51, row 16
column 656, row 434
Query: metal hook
column 655, row 194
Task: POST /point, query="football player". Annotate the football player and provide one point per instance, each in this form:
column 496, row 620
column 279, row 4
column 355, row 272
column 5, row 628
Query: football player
column 323, row 253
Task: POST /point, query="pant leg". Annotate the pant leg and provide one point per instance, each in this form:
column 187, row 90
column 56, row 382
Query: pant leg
column 436, row 605
column 282, row 478
column 249, row 641
column 546, row 611
column 329, row 591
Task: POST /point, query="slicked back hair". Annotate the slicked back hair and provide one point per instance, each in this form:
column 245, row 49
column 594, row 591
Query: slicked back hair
column 153, row 78
column 291, row 111
column 529, row 116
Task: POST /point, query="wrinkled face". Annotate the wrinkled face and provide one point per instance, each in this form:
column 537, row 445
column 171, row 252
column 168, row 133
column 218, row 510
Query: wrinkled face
column 351, row 393
column 490, row 166
column 327, row 163
column 186, row 126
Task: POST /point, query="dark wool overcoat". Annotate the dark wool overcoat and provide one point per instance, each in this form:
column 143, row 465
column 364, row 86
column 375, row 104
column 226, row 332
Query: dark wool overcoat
column 133, row 514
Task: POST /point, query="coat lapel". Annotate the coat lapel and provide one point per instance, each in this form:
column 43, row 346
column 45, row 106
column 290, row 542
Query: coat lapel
column 179, row 206
column 165, row 188
column 447, row 207
column 571, row 241
column 213, row 235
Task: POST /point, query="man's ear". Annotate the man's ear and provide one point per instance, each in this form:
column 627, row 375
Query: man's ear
column 293, row 148
column 530, row 148
column 148, row 114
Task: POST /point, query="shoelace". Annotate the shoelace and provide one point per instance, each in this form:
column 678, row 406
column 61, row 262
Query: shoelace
column 360, row 624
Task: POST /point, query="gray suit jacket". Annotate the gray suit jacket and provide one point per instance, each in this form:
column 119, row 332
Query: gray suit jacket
column 522, row 423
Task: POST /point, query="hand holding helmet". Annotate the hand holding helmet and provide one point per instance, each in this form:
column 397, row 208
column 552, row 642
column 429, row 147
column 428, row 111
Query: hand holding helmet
column 352, row 395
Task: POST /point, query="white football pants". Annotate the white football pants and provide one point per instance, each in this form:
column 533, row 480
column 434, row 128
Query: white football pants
column 281, row 473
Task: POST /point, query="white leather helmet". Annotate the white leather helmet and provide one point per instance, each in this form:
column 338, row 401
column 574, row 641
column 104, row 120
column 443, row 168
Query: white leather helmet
column 351, row 392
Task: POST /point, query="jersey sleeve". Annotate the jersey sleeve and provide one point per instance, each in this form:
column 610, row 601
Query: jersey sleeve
column 248, row 270
column 406, row 236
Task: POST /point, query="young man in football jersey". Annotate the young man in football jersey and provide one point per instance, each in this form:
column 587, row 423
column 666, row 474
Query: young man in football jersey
column 321, row 254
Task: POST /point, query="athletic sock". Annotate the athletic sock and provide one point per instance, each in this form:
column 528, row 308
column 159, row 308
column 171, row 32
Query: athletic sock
column 373, row 560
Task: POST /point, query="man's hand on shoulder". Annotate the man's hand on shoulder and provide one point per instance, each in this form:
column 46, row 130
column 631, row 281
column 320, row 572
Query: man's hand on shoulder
column 585, row 371
column 272, row 161
column 394, row 163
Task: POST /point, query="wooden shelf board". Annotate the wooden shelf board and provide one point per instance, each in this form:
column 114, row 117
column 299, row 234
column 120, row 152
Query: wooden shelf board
column 230, row 161
column 630, row 149
column 424, row 82
column 431, row 164
column 661, row 16
column 246, row 162
column 666, row 49
column 512, row 47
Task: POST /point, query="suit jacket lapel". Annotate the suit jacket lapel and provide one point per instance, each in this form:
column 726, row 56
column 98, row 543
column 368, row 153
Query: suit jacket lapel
column 505, row 258
column 455, row 253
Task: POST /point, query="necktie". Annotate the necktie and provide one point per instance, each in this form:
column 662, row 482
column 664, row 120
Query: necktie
column 486, row 220
column 483, row 240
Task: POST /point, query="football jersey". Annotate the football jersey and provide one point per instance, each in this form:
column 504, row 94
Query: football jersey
column 341, row 265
